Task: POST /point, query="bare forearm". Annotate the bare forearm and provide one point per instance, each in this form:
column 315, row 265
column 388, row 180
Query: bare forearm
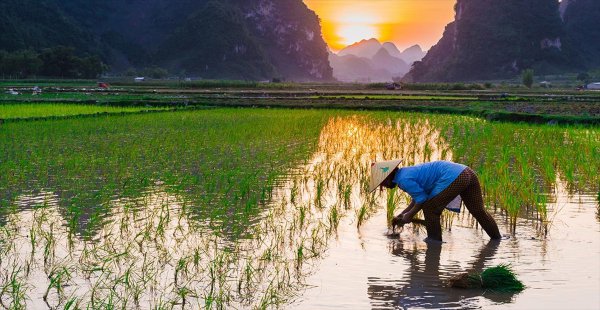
column 412, row 209
column 410, row 206
column 415, row 209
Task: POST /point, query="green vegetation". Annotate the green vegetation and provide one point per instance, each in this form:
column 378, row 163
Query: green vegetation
column 527, row 77
column 221, row 26
column 227, row 39
column 41, row 110
column 205, row 177
column 519, row 163
column 180, row 141
column 500, row 278
column 505, row 110
column 60, row 62
column 32, row 24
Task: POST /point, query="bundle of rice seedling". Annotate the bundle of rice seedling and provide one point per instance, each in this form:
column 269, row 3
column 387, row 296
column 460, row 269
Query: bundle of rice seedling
column 500, row 278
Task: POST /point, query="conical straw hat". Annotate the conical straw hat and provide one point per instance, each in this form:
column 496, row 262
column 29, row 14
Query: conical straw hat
column 380, row 171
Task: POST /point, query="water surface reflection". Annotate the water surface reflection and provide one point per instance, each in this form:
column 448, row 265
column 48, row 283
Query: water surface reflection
column 423, row 286
column 316, row 228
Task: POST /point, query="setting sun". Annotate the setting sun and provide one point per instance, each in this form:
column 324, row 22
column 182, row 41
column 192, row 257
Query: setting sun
column 405, row 23
column 353, row 33
column 352, row 25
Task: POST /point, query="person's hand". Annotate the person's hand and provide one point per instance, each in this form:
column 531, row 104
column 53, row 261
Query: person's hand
column 397, row 221
column 401, row 219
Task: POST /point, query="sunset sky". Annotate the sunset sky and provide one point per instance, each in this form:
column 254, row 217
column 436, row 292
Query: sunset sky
column 404, row 22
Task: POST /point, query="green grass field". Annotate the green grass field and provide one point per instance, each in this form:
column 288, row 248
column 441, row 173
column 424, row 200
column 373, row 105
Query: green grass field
column 41, row 110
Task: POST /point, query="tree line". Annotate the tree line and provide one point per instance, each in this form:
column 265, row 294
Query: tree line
column 57, row 62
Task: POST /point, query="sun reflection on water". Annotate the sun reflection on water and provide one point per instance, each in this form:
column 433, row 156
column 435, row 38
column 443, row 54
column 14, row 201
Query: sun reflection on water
column 151, row 252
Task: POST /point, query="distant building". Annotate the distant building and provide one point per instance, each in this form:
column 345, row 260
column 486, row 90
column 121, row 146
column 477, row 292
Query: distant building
column 140, row 79
column 545, row 84
column 594, row 86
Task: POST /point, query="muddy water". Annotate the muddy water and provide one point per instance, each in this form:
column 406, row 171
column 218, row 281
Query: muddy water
column 370, row 269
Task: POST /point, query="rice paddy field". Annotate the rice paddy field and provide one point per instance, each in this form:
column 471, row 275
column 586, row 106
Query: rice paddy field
column 41, row 110
column 267, row 208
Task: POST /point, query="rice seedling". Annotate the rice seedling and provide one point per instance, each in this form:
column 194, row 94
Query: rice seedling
column 347, row 194
column 302, row 216
column 15, row 290
column 72, row 303
column 361, row 216
column 299, row 256
column 392, row 203
column 334, row 218
column 294, row 193
column 320, row 188
column 58, row 276
column 500, row 278
column 41, row 110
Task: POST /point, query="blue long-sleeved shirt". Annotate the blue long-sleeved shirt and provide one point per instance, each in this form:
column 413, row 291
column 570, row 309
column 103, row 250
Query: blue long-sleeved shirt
column 423, row 182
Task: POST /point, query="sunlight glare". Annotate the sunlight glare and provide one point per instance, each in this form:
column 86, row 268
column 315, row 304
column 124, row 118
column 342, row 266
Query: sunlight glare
column 352, row 33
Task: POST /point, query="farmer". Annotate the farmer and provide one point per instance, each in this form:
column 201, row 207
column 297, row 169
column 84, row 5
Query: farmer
column 434, row 186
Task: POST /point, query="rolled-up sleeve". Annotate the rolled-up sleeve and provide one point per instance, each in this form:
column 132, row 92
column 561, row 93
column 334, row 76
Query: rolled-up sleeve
column 414, row 190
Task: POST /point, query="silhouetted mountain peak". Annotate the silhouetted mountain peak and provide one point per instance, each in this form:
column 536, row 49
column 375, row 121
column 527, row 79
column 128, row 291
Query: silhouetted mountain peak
column 412, row 54
column 380, row 66
column 364, row 48
column 414, row 48
column 383, row 60
column 392, row 49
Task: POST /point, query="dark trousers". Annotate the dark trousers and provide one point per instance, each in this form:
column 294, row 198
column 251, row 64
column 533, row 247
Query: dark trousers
column 468, row 187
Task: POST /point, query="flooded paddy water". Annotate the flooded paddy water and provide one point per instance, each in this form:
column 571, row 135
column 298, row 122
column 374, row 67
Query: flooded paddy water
column 259, row 208
column 371, row 270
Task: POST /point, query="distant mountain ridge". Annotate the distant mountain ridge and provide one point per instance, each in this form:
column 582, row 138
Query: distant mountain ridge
column 365, row 48
column 368, row 49
column 412, row 54
column 492, row 39
column 235, row 39
column 371, row 61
